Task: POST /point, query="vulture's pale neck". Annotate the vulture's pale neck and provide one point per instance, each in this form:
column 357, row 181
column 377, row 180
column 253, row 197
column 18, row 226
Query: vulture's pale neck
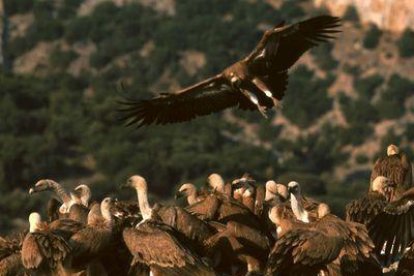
column 34, row 222
column 144, row 206
column 192, row 197
column 297, row 208
column 60, row 191
column 106, row 214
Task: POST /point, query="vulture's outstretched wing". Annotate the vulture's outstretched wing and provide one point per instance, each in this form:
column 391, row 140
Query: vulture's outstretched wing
column 281, row 47
column 203, row 98
column 296, row 39
column 393, row 230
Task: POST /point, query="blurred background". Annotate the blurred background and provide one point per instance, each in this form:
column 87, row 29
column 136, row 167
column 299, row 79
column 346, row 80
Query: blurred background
column 62, row 62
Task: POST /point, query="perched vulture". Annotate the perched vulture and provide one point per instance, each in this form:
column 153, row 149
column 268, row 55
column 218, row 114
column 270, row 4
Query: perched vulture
column 158, row 246
column 390, row 224
column 248, row 192
column 327, row 246
column 304, row 208
column 43, row 251
column 82, row 195
column 216, row 184
column 94, row 248
column 397, row 167
column 10, row 256
column 194, row 230
column 162, row 239
column 189, row 191
column 59, row 191
column 256, row 82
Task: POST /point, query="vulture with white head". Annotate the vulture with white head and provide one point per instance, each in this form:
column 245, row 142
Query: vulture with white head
column 43, row 252
column 247, row 191
column 397, row 167
column 304, row 208
column 217, row 184
column 276, row 191
column 164, row 248
column 189, row 191
column 257, row 82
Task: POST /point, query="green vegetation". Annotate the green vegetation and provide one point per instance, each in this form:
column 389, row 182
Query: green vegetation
column 372, row 37
column 391, row 103
column 306, row 97
column 406, row 44
column 65, row 127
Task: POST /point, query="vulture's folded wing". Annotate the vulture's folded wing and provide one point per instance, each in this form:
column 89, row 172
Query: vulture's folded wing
column 206, row 97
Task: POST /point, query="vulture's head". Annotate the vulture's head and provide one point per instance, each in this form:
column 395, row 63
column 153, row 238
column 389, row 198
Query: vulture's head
column 392, row 150
column 83, row 194
column 294, row 188
column 136, row 182
column 41, row 185
column 275, row 190
column 245, row 181
column 249, row 192
column 216, row 182
column 106, row 208
column 185, row 190
column 323, row 210
column 34, row 222
column 384, row 186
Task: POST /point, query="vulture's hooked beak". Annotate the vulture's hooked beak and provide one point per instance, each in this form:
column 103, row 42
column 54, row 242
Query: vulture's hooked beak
column 178, row 195
column 32, row 191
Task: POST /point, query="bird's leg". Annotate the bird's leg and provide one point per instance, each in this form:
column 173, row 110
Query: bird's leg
column 255, row 101
column 263, row 87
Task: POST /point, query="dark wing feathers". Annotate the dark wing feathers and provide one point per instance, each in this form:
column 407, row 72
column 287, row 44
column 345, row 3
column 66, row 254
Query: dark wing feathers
column 296, row 39
column 183, row 106
column 304, row 252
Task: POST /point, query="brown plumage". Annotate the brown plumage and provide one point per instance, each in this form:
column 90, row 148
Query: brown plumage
column 328, row 244
column 10, row 256
column 243, row 243
column 158, row 246
column 92, row 244
column 192, row 229
column 390, row 224
column 397, row 167
column 43, row 251
column 256, row 82
column 223, row 209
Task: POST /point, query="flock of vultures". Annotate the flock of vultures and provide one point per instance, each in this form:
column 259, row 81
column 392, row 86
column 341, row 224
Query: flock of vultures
column 240, row 227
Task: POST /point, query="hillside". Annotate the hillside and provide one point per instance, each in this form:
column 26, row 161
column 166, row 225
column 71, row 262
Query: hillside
column 64, row 62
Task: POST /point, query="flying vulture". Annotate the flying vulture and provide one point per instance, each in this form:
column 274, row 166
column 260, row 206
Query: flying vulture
column 257, row 82
column 397, row 167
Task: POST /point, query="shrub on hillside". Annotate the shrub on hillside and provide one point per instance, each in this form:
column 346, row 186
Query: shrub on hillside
column 366, row 87
column 406, row 44
column 306, row 97
column 358, row 110
column 372, row 37
column 391, row 105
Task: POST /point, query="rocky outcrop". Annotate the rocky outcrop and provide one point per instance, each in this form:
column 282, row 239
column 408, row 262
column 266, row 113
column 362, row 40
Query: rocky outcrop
column 392, row 15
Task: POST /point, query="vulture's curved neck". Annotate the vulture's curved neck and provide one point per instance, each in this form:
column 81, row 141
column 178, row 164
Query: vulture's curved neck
column 298, row 209
column 106, row 214
column 144, row 206
column 192, row 197
column 60, row 192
